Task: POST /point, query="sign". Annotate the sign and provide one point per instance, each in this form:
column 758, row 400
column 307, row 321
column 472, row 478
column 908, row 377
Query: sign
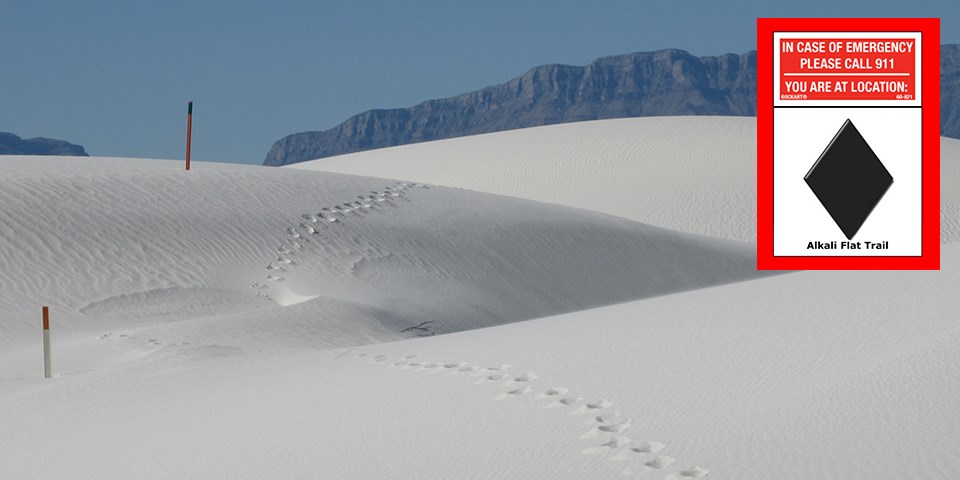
column 848, row 144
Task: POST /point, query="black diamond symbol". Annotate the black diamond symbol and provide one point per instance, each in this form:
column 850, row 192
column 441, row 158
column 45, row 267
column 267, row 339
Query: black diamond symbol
column 849, row 179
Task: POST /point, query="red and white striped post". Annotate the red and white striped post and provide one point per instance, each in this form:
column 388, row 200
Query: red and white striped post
column 47, row 366
column 189, row 130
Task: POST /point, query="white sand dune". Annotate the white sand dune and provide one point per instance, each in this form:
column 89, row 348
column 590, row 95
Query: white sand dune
column 782, row 377
column 693, row 174
column 114, row 244
column 194, row 338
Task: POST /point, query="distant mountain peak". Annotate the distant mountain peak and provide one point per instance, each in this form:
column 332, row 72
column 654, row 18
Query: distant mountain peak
column 11, row 144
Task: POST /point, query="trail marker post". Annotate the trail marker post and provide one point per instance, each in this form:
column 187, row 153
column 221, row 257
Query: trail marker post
column 189, row 130
column 47, row 366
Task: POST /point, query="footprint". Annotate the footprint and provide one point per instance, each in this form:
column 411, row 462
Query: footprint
column 309, row 217
column 525, row 378
column 604, row 418
column 646, row 448
column 565, row 401
column 429, row 366
column 553, row 392
column 601, row 419
column 695, row 472
column 657, row 463
column 592, row 407
column 515, row 392
column 618, row 427
column 660, row 461
column 275, row 279
column 624, row 455
column 649, row 447
column 492, row 378
column 486, row 371
column 612, row 444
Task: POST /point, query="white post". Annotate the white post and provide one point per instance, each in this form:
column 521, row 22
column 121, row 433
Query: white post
column 47, row 367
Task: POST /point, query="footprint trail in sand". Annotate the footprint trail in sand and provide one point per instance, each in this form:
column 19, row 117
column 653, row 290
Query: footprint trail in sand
column 606, row 429
column 311, row 239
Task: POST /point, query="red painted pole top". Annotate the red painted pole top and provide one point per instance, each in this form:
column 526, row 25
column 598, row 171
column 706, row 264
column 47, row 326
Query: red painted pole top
column 46, row 318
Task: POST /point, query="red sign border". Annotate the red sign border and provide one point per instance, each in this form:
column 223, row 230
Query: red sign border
column 929, row 29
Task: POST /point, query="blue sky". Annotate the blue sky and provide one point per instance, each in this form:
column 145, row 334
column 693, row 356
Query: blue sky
column 115, row 76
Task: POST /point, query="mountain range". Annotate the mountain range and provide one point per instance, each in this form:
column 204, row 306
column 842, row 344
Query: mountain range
column 664, row 82
column 11, row 144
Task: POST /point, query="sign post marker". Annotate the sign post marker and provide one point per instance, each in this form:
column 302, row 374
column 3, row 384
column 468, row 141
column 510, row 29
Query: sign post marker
column 47, row 365
column 189, row 129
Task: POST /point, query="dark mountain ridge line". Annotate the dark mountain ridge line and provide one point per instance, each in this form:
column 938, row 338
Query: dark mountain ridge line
column 11, row 144
column 664, row 82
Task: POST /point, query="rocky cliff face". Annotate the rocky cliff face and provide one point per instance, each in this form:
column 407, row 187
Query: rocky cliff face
column 950, row 91
column 666, row 82
column 11, row 144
